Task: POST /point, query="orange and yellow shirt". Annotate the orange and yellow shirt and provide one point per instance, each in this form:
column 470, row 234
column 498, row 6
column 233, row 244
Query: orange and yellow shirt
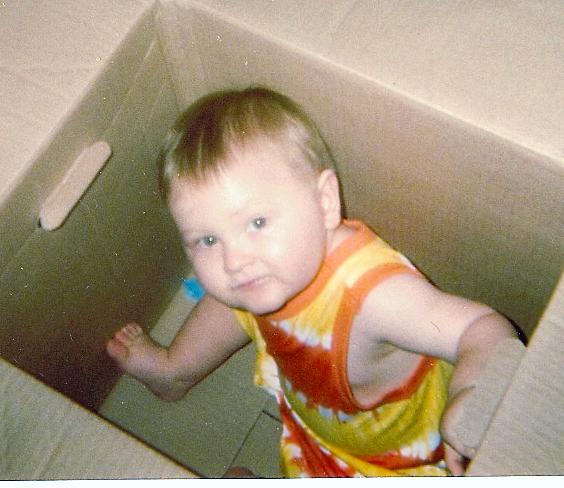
column 302, row 357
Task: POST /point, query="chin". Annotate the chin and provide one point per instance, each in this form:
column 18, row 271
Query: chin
column 259, row 309
column 263, row 307
column 256, row 307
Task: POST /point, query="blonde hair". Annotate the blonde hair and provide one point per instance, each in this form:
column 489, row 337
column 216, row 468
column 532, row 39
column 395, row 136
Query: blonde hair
column 210, row 130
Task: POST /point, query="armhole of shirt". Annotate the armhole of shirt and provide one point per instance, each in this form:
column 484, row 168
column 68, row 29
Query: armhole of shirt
column 247, row 322
column 363, row 286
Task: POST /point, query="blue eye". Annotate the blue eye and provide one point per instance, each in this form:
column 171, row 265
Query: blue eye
column 207, row 241
column 258, row 223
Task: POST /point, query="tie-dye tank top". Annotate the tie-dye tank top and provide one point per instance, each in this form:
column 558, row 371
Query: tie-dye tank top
column 301, row 359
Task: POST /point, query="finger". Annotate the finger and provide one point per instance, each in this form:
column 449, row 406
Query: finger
column 456, row 463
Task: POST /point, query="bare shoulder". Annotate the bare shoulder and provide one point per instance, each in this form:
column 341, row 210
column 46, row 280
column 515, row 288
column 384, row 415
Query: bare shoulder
column 409, row 312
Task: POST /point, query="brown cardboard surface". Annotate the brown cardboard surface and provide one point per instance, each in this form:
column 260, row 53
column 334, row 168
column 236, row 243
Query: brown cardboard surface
column 51, row 300
column 116, row 258
column 45, row 436
column 74, row 184
column 51, row 52
column 86, row 81
column 525, row 436
column 446, row 124
column 489, row 391
column 261, row 451
column 207, row 428
column 494, row 65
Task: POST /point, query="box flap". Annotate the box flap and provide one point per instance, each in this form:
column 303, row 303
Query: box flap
column 525, row 436
column 50, row 437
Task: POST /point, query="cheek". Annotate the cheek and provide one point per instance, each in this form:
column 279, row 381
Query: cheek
column 301, row 256
column 281, row 251
column 205, row 270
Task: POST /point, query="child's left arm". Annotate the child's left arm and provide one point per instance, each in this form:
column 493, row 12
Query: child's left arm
column 474, row 350
column 409, row 312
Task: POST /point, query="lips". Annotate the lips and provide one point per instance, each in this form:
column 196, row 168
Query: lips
column 250, row 284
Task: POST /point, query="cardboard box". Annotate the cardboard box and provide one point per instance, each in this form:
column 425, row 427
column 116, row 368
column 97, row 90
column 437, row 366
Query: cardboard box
column 46, row 436
column 116, row 258
column 445, row 120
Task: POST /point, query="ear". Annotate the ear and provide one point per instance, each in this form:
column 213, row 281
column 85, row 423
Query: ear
column 329, row 198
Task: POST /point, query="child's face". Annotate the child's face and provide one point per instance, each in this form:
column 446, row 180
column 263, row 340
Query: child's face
column 256, row 233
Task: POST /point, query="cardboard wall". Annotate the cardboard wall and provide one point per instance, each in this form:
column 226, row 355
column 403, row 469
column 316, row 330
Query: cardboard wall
column 525, row 435
column 117, row 258
column 447, row 138
column 45, row 436
column 479, row 213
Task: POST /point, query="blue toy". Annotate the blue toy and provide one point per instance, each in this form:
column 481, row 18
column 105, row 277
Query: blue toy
column 193, row 289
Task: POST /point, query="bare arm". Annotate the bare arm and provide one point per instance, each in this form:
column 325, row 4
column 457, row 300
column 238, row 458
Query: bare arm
column 208, row 338
column 412, row 314
column 477, row 345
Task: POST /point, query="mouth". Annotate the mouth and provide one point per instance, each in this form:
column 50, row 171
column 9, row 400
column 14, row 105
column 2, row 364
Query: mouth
column 250, row 284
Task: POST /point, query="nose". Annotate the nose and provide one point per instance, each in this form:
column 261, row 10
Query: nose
column 236, row 256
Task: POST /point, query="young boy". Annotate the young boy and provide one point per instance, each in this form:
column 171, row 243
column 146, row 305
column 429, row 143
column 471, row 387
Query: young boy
column 355, row 344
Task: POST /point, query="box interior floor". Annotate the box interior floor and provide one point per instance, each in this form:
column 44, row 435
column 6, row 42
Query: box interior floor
column 448, row 142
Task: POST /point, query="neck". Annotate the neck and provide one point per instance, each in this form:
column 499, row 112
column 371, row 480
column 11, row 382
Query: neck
column 336, row 236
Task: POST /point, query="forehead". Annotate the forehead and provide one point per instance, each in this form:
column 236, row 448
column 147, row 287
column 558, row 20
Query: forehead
column 251, row 176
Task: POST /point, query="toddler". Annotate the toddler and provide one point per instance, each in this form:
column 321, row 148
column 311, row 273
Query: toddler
column 371, row 364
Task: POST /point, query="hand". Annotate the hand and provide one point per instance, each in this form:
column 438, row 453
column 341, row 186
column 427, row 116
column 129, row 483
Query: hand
column 457, row 454
column 456, row 462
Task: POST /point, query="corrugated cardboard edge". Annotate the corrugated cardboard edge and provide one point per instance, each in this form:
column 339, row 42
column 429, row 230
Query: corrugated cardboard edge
column 526, row 435
column 489, row 391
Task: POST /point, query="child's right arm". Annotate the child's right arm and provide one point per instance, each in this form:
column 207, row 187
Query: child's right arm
column 208, row 338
